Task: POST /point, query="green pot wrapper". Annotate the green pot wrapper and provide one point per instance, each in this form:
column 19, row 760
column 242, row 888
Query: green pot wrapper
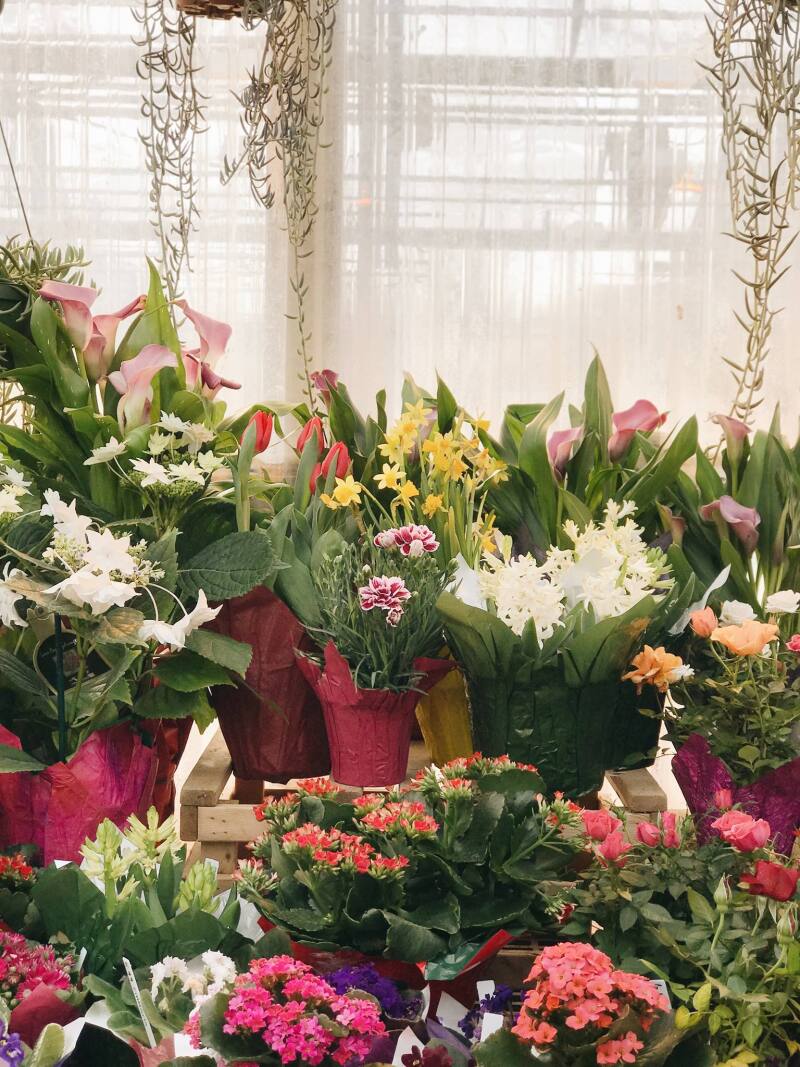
column 561, row 704
column 444, row 719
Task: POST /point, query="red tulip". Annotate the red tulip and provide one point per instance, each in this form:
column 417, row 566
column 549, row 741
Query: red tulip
column 262, row 420
column 313, row 428
column 772, row 880
column 338, row 457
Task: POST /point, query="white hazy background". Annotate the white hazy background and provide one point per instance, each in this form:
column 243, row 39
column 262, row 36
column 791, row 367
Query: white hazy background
column 508, row 185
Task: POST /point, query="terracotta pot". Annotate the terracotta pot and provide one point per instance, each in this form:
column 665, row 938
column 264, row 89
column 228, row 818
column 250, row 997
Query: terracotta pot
column 273, row 725
column 774, row 797
column 111, row 776
column 443, row 717
column 369, row 730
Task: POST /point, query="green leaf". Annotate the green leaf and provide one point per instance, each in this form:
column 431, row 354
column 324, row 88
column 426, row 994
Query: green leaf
column 597, row 405
column 446, row 406
column 649, row 484
column 164, row 703
column 628, row 917
column 407, row 941
column 187, row 671
column 49, row 1048
column 20, row 676
column 221, row 649
column 701, row 909
column 302, row 480
column 535, row 462
column 230, row 567
column 14, row 759
column 503, row 1049
column 119, row 626
column 71, row 386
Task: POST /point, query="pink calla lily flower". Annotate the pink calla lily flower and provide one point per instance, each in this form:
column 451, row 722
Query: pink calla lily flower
column 214, row 335
column 735, row 432
column 559, row 448
column 76, row 302
column 99, row 353
column 743, row 521
column 134, row 382
column 213, row 382
column 642, row 417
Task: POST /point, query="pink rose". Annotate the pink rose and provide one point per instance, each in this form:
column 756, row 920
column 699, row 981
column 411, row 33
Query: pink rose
column 793, row 644
column 613, row 849
column 742, row 831
column 599, row 824
column 649, row 834
column 669, row 823
column 723, row 799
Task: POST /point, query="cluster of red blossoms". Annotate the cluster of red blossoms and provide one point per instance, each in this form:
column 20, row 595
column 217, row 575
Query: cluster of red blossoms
column 400, row 817
column 24, row 966
column 336, row 850
column 575, row 987
column 14, row 870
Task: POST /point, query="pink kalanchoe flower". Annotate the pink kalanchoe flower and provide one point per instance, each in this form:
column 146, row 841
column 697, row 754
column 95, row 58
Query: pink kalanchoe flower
column 559, row 449
column 743, row 521
column 412, row 540
column 386, row 594
column 76, row 302
column 642, row 417
column 134, row 382
column 793, row 644
column 99, row 352
column 620, row 1049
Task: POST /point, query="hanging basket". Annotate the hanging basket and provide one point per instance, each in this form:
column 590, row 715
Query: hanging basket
column 211, row 9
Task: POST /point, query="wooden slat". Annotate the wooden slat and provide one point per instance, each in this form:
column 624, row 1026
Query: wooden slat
column 209, row 776
column 639, row 791
column 228, row 822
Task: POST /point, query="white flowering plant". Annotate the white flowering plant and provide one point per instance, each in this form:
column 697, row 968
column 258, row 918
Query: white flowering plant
column 543, row 644
column 104, row 631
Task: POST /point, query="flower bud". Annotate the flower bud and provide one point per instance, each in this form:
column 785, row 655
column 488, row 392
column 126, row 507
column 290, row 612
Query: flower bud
column 787, row 928
column 262, row 420
column 723, row 895
column 313, row 428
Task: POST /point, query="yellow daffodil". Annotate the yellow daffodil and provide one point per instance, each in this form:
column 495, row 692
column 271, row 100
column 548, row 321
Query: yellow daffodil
column 328, row 501
column 347, row 491
column 393, row 448
column 418, row 411
column 456, row 467
column 431, row 505
column 406, row 493
column 481, row 423
column 391, row 477
column 486, row 533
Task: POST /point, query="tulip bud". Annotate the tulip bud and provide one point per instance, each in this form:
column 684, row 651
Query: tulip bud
column 338, row 457
column 262, row 420
column 313, row 428
column 723, row 895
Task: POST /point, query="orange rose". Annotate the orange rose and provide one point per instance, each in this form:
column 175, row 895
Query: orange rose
column 748, row 639
column 653, row 666
column 703, row 622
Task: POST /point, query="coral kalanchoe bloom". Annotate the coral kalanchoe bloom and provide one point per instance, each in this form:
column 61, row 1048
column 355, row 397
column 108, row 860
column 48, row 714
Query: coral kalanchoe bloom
column 412, row 540
column 653, row 666
column 748, row 639
column 387, row 594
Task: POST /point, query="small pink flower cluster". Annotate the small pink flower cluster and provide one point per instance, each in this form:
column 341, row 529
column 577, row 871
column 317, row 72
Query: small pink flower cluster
column 276, row 809
column 606, row 830
column 298, row 1015
column 336, row 850
column 317, row 787
column 477, row 765
column 412, row 540
column 401, row 817
column 575, row 985
column 742, row 831
column 385, row 594
column 24, row 966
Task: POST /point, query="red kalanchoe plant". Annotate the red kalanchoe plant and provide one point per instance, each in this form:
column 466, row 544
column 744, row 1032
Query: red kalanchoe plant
column 578, row 998
column 15, row 871
column 25, row 966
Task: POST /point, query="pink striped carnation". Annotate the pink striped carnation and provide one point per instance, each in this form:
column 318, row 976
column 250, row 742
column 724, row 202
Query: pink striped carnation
column 412, row 540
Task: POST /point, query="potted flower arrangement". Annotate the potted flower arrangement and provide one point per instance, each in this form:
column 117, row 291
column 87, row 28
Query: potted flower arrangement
column 378, row 618
column 543, row 643
column 717, row 920
column 735, row 716
column 580, row 1010
column 105, row 646
column 432, row 873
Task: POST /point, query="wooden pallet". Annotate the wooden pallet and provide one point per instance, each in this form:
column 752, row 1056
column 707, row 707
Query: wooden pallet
column 221, row 825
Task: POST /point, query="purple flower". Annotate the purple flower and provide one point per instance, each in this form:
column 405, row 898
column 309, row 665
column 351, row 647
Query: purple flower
column 366, row 978
column 11, row 1050
column 743, row 521
column 496, row 1002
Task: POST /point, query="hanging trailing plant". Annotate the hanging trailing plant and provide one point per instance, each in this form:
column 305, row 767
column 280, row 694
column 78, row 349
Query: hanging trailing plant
column 282, row 118
column 172, row 107
column 756, row 75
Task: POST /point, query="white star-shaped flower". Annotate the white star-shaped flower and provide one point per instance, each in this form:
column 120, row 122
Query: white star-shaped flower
column 105, row 453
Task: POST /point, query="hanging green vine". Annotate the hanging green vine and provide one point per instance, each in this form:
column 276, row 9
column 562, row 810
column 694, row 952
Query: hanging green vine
column 756, row 76
column 172, row 109
column 282, row 118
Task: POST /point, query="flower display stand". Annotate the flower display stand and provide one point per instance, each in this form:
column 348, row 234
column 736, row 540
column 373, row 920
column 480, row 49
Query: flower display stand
column 212, row 9
column 219, row 819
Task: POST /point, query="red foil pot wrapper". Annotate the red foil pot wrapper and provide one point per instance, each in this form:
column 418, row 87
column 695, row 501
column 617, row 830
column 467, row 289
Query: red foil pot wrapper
column 369, row 730
column 37, row 1010
column 111, row 776
column 273, row 725
column 170, row 737
column 774, row 797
